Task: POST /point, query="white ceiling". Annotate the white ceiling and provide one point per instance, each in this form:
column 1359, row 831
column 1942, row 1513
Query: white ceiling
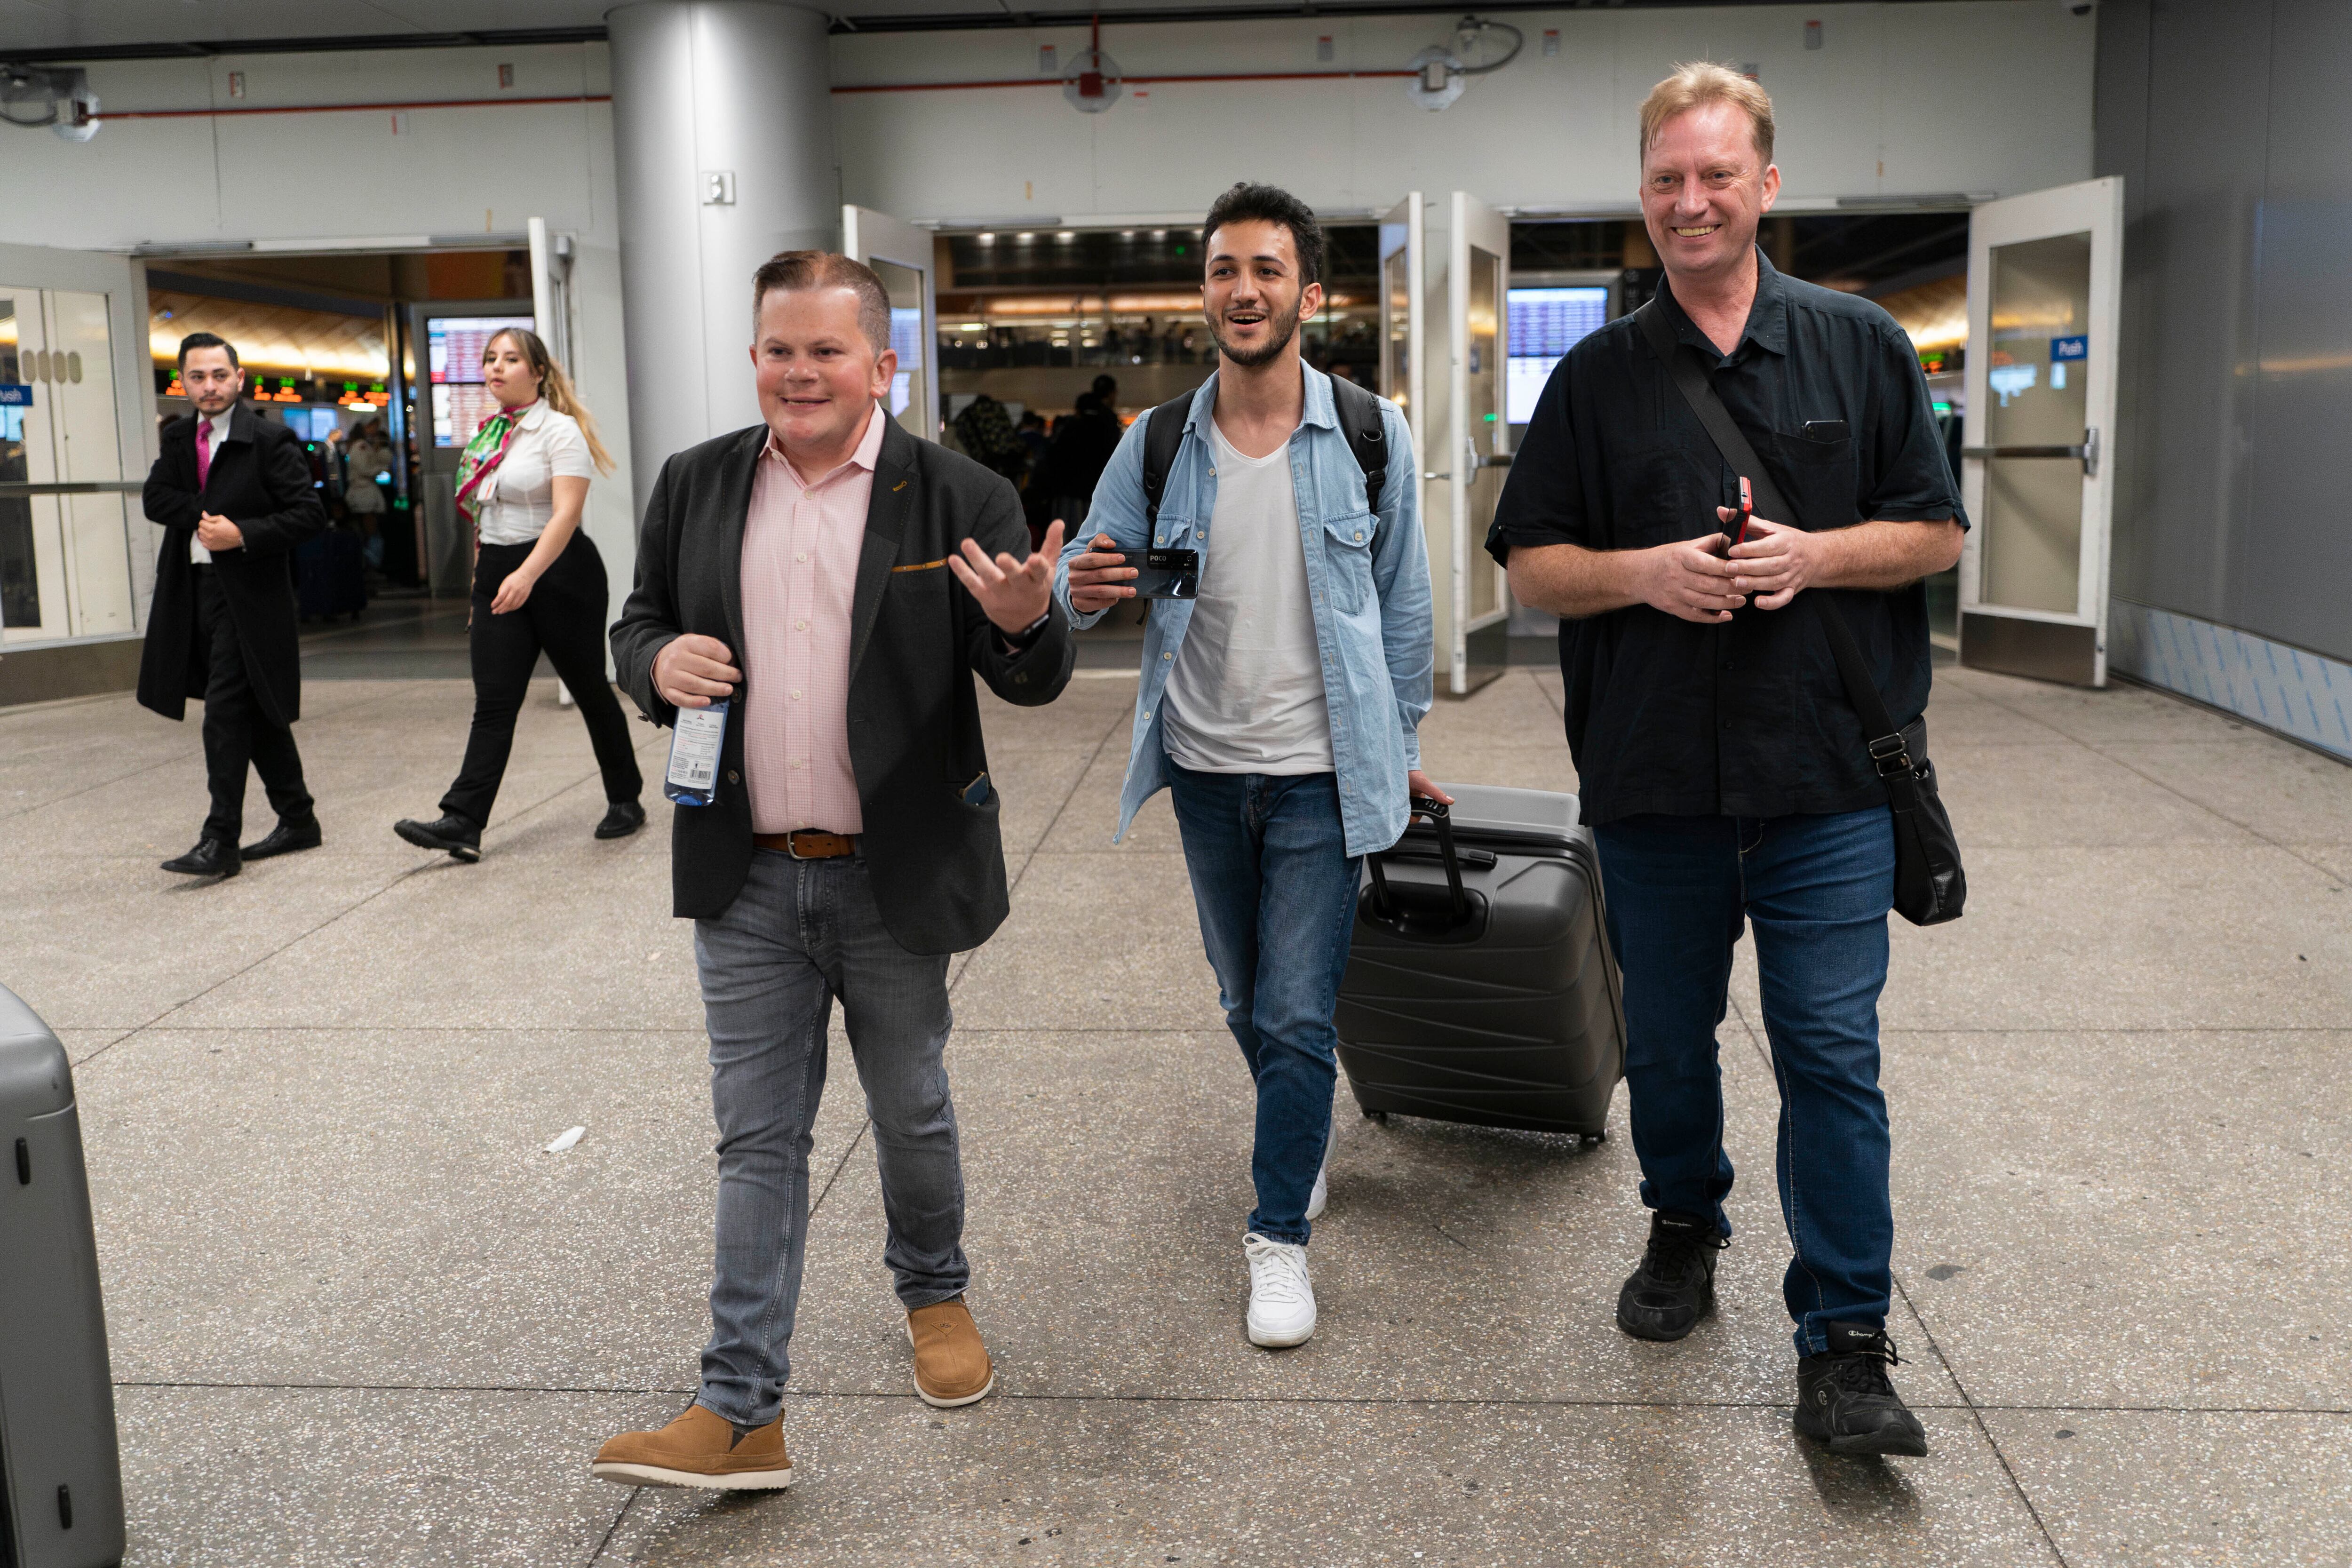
column 53, row 24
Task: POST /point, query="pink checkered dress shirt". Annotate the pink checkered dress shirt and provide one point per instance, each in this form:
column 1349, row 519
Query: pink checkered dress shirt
column 800, row 544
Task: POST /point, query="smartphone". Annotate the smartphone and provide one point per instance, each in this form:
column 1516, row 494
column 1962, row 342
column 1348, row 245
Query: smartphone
column 976, row 791
column 1825, row 430
column 1738, row 531
column 1167, row 574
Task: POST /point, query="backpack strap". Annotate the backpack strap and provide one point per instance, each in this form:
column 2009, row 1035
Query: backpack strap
column 1360, row 418
column 1164, row 433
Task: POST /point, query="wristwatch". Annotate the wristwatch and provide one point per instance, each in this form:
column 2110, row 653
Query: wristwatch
column 1027, row 637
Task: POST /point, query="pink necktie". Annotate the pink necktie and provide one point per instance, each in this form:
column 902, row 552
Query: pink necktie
column 204, row 450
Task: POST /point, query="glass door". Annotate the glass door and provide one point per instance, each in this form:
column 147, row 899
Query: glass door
column 33, row 595
column 93, row 523
column 900, row 255
column 1402, row 359
column 1477, row 285
column 2044, row 294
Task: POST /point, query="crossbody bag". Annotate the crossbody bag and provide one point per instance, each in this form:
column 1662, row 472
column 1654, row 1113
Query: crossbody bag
column 1929, row 885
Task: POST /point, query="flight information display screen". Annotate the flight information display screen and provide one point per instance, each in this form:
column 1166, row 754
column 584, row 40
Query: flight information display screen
column 1545, row 323
column 453, row 346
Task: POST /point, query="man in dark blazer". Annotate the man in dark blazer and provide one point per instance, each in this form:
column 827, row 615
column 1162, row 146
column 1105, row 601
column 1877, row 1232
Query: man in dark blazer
column 234, row 494
column 835, row 583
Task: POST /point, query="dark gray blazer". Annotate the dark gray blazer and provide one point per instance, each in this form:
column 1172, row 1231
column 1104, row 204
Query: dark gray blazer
column 916, row 638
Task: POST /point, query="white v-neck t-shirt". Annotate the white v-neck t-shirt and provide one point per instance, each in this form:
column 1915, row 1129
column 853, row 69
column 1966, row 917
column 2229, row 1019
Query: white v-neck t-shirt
column 1246, row 692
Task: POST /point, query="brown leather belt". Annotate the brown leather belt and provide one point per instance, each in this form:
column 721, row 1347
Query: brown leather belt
column 808, row 844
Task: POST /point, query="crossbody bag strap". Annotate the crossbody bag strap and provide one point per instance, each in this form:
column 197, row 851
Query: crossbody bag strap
column 1691, row 379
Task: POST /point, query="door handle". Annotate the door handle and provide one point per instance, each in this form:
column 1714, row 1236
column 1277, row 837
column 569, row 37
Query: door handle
column 2086, row 453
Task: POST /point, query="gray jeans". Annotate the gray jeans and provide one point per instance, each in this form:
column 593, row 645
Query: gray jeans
column 801, row 933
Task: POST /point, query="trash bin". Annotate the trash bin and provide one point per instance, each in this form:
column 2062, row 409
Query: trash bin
column 60, row 1472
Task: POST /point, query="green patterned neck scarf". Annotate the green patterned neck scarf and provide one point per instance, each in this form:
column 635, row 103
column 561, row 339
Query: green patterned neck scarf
column 484, row 453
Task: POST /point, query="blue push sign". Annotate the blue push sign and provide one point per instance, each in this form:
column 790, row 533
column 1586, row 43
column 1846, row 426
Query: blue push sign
column 16, row 395
column 2064, row 349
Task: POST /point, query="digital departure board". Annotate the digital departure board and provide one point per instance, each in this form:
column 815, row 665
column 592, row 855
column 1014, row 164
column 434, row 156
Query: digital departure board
column 453, row 346
column 1545, row 323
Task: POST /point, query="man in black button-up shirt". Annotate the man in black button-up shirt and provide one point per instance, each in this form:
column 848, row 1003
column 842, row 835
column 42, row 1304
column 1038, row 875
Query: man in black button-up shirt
column 1721, row 764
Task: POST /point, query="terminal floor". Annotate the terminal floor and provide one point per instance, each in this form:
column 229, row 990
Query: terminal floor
column 359, row 1316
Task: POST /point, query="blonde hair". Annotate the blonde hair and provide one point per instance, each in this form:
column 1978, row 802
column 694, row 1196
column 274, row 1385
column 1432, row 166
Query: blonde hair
column 555, row 387
column 1698, row 82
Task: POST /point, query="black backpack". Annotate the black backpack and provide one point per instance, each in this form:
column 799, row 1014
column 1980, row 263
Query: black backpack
column 1360, row 418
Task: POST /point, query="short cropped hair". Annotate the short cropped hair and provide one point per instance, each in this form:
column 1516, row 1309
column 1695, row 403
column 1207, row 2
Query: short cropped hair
column 194, row 341
column 1698, row 83
column 1245, row 203
column 793, row 271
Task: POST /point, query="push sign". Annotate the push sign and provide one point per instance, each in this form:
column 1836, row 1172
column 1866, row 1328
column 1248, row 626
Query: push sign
column 2064, row 349
column 16, row 395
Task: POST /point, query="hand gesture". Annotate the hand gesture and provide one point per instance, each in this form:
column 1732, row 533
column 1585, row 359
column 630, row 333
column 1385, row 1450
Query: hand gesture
column 1417, row 785
column 1014, row 594
column 513, row 591
column 692, row 669
column 1096, row 575
column 217, row 533
column 1690, row 579
column 1775, row 561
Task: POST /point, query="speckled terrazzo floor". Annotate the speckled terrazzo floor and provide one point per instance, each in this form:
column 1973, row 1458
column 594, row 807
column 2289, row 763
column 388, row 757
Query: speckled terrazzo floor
column 358, row 1316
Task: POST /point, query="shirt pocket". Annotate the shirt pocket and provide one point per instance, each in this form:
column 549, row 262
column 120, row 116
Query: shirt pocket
column 1347, row 560
column 1819, row 478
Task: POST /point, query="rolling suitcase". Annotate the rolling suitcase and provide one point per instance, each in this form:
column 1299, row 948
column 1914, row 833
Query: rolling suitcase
column 60, row 1473
column 331, row 575
column 1480, row 985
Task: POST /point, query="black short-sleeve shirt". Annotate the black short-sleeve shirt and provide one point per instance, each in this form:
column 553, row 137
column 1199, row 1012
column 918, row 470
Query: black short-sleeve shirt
column 1747, row 718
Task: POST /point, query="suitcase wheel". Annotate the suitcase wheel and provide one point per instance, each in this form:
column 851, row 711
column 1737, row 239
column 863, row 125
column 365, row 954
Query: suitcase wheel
column 1600, row 1137
column 1380, row 1116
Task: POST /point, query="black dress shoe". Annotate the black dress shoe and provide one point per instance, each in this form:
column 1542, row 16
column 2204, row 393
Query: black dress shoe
column 622, row 818
column 210, row 857
column 453, row 835
column 1845, row 1399
column 1674, row 1287
column 284, row 839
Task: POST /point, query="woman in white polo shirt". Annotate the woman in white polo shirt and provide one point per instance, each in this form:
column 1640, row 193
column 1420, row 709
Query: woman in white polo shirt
column 538, row 585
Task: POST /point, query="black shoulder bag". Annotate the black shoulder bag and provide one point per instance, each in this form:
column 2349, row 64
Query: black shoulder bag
column 1930, row 886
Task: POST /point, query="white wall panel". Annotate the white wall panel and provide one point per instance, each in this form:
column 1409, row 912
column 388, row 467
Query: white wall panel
column 1990, row 96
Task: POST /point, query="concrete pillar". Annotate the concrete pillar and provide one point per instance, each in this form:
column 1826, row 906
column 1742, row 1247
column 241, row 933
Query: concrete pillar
column 722, row 131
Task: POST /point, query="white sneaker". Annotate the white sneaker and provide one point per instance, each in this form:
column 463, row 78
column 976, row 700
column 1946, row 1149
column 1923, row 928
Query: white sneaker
column 1282, row 1298
column 1322, row 1193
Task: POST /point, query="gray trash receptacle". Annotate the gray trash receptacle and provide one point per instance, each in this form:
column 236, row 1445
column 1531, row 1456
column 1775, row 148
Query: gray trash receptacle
column 60, row 1472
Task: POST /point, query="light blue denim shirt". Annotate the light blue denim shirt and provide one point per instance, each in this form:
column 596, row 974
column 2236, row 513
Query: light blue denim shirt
column 1367, row 574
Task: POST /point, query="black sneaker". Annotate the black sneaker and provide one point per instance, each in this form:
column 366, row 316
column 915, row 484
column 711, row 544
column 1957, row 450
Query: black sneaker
column 1675, row 1286
column 1845, row 1399
column 452, row 835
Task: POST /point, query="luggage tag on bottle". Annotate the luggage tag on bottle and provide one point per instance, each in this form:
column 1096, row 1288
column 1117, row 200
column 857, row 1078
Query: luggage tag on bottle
column 694, row 747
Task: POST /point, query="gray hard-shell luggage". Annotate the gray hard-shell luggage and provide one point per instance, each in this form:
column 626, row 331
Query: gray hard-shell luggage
column 60, row 1473
column 1481, row 986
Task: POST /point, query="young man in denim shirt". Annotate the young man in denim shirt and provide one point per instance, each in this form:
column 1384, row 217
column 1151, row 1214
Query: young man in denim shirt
column 1279, row 707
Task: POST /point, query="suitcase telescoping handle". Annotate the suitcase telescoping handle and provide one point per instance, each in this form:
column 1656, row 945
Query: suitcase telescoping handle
column 1436, row 811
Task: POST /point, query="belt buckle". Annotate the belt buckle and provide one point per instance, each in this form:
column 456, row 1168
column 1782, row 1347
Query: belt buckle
column 793, row 848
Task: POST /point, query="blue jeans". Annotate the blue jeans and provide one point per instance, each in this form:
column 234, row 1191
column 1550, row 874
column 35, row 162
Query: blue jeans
column 1276, row 889
column 800, row 934
column 1818, row 889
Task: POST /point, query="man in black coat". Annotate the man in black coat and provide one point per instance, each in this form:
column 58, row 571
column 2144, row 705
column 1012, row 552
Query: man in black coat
column 832, row 585
column 234, row 494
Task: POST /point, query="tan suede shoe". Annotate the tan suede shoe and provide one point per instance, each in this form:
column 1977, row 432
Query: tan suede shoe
column 951, row 1366
column 698, row 1449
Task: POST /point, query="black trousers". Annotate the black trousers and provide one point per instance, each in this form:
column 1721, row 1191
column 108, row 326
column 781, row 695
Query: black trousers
column 238, row 730
column 565, row 617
